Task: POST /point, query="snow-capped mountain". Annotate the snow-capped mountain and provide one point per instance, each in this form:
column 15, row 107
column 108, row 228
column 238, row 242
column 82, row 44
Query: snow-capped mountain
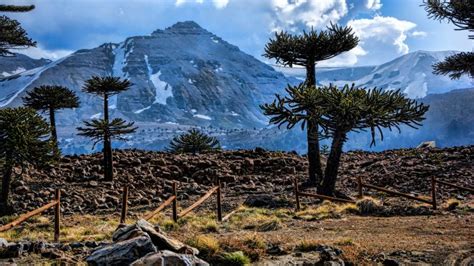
column 411, row 73
column 183, row 74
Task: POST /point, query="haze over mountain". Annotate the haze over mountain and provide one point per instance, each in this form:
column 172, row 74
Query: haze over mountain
column 185, row 76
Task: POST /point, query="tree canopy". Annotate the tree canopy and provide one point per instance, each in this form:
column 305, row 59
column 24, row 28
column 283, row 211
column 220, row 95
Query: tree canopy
column 23, row 139
column 12, row 36
column 461, row 14
column 97, row 128
column 46, row 98
column 310, row 47
column 106, row 86
column 193, row 141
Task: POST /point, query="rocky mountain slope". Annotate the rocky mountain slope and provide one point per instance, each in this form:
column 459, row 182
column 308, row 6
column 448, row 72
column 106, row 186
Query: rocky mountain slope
column 12, row 65
column 183, row 74
column 150, row 174
column 411, row 73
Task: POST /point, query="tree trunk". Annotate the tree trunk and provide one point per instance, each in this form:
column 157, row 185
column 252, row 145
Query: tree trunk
column 54, row 135
column 7, row 176
column 314, row 159
column 332, row 167
column 106, row 149
column 315, row 171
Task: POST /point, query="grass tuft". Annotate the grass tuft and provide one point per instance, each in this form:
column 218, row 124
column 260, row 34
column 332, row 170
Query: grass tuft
column 307, row 246
column 236, row 258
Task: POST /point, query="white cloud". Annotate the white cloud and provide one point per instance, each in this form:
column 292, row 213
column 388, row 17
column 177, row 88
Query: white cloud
column 349, row 58
column 373, row 4
column 40, row 52
column 419, row 34
column 220, row 3
column 385, row 30
column 293, row 15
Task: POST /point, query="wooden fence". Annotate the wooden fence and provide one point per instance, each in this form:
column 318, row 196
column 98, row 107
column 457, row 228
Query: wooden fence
column 174, row 201
column 56, row 203
column 361, row 185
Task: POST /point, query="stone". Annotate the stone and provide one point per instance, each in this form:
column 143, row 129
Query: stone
column 260, row 201
column 122, row 253
column 3, row 242
column 427, row 144
column 160, row 240
column 166, row 257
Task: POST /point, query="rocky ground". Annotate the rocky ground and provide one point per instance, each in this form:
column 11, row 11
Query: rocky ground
column 321, row 233
column 150, row 175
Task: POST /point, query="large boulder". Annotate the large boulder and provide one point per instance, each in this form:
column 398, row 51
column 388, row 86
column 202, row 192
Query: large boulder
column 160, row 240
column 166, row 257
column 123, row 252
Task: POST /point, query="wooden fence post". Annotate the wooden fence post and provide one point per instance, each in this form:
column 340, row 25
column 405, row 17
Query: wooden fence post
column 57, row 214
column 219, row 207
column 359, row 187
column 433, row 191
column 297, row 195
column 123, row 215
column 175, row 204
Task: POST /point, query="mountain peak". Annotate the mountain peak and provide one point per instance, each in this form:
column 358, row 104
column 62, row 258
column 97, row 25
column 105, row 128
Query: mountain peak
column 184, row 27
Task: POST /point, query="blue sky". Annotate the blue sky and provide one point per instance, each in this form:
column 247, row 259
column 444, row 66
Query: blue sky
column 387, row 28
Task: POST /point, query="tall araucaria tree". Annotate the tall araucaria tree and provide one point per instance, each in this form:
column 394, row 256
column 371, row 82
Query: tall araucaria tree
column 307, row 50
column 461, row 14
column 103, row 130
column 12, row 35
column 341, row 111
column 358, row 109
column 23, row 139
column 50, row 99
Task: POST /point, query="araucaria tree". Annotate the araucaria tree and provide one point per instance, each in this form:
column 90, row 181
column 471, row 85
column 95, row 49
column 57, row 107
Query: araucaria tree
column 12, row 35
column 194, row 142
column 23, row 139
column 103, row 130
column 341, row 111
column 307, row 50
column 461, row 14
column 50, row 99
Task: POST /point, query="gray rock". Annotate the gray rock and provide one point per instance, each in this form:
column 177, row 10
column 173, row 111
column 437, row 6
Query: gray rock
column 122, row 253
column 3, row 242
column 427, row 144
column 160, row 240
column 166, row 257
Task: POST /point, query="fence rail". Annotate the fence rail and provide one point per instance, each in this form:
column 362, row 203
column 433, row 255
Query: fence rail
column 56, row 203
column 313, row 195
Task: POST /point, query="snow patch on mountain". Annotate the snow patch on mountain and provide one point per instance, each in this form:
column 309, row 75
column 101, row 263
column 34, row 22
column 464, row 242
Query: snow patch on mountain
column 14, row 72
column 163, row 90
column 200, row 116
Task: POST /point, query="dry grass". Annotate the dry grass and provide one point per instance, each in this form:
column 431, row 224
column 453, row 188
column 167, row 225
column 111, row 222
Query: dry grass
column 307, row 245
column 74, row 228
column 326, row 210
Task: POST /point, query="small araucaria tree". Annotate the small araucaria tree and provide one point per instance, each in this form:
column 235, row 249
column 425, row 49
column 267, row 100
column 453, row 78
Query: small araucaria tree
column 341, row 111
column 307, row 50
column 194, row 142
column 23, row 139
column 12, row 35
column 461, row 14
column 103, row 130
column 50, row 99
